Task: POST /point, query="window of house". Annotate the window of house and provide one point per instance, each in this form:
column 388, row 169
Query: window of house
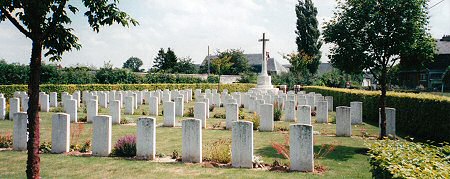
column 423, row 77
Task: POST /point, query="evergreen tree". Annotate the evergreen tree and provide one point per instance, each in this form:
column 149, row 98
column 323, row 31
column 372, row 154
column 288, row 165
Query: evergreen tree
column 308, row 33
column 171, row 60
column 159, row 59
column 165, row 61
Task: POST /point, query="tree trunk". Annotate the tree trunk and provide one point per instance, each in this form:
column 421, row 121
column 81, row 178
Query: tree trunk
column 382, row 103
column 33, row 161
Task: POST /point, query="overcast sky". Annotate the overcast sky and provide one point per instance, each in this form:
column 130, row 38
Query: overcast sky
column 188, row 27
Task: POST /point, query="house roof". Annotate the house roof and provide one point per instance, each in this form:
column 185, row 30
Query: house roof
column 324, row 68
column 443, row 47
column 256, row 60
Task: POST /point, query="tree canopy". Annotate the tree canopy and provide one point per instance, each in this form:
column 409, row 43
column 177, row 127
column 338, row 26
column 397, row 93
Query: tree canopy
column 47, row 24
column 308, row 34
column 168, row 62
column 373, row 35
column 134, row 64
column 237, row 59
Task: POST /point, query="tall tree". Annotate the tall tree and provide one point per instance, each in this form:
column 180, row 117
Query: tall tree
column 219, row 64
column 239, row 62
column 372, row 35
column 299, row 70
column 46, row 24
column 185, row 66
column 165, row 61
column 308, row 33
column 133, row 63
column 158, row 61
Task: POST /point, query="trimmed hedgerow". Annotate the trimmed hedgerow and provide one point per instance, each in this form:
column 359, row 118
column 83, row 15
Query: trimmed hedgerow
column 8, row 90
column 403, row 159
column 422, row 116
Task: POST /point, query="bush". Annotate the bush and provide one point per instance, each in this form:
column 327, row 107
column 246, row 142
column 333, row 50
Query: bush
column 6, row 140
column 190, row 112
column 218, row 151
column 211, row 108
column 277, row 111
column 403, row 159
column 421, row 116
column 45, row 147
column 255, row 119
column 220, row 116
column 125, row 147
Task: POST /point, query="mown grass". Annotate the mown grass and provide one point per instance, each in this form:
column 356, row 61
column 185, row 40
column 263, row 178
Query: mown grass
column 347, row 161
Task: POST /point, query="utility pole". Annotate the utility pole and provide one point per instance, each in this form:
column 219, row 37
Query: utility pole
column 209, row 63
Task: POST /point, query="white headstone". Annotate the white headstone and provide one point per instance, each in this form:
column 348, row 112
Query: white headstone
column 146, row 138
column 232, row 114
column 192, row 141
column 60, row 133
column 14, row 107
column 114, row 110
column 53, row 99
column 301, row 148
column 267, row 119
column 101, row 141
column 304, row 114
column 290, row 111
column 20, row 134
column 242, row 144
column 71, row 108
column 200, row 111
column 129, row 105
column 390, row 122
column 92, row 110
column 2, row 108
column 322, row 112
column 343, row 122
column 356, row 111
column 153, row 105
column 179, row 105
column 45, row 104
column 169, row 114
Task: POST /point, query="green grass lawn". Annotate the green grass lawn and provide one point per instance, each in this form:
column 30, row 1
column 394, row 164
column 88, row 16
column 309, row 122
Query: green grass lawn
column 348, row 160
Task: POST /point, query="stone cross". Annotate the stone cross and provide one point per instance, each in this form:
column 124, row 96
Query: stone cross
column 264, row 62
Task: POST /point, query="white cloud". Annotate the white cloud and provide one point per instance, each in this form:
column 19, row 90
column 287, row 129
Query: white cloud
column 188, row 27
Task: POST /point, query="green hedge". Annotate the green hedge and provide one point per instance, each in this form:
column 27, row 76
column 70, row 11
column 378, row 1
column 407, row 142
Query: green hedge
column 8, row 90
column 403, row 159
column 421, row 116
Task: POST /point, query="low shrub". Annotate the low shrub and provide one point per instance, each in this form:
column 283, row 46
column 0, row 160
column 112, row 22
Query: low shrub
column 45, row 147
column 83, row 148
column 220, row 116
column 6, row 140
column 57, row 109
column 124, row 121
column 277, row 111
column 404, row 159
column 255, row 119
column 125, row 147
column 190, row 112
column 422, row 116
column 211, row 108
column 218, row 151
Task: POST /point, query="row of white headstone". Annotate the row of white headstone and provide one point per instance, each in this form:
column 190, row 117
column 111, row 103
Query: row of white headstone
column 301, row 138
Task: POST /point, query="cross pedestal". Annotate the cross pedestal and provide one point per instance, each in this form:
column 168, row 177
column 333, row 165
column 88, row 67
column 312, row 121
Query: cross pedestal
column 264, row 80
